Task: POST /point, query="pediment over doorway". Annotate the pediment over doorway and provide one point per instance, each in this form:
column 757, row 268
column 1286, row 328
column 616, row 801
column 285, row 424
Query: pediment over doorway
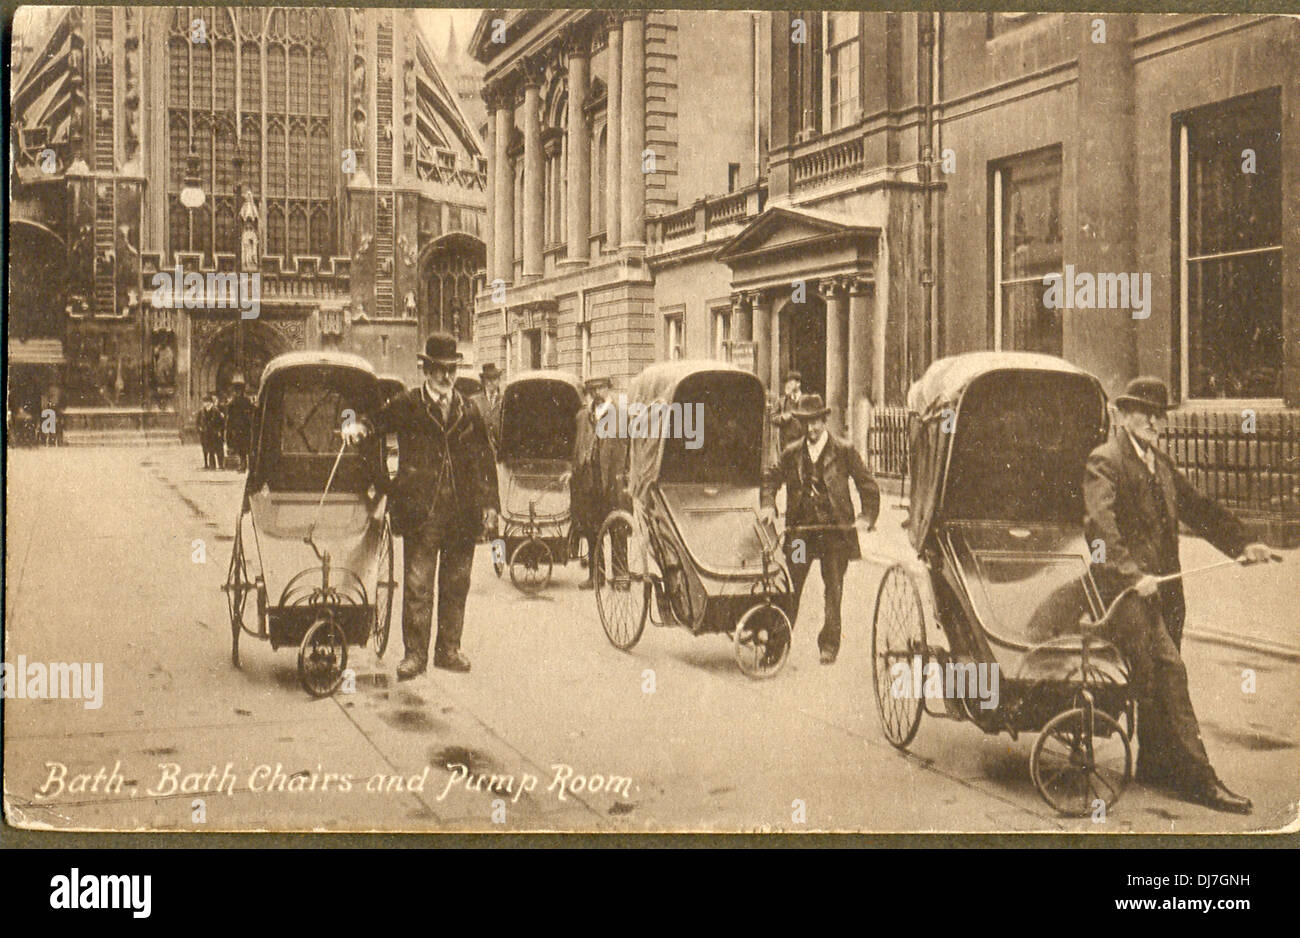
column 785, row 242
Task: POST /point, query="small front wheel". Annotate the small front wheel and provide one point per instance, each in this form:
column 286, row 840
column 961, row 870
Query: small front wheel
column 322, row 658
column 531, row 565
column 762, row 641
column 1078, row 763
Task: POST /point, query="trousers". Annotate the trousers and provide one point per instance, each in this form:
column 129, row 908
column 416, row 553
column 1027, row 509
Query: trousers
column 434, row 556
column 834, row 557
column 1169, row 736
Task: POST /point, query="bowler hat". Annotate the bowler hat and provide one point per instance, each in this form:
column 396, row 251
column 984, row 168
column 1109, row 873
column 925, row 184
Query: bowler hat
column 1146, row 393
column 792, row 376
column 440, row 349
column 597, row 383
column 490, row 371
column 810, row 407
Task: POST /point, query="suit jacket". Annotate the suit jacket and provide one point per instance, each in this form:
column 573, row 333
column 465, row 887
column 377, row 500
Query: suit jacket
column 599, row 465
column 789, row 429
column 432, row 453
column 840, row 462
column 491, row 413
column 1121, row 510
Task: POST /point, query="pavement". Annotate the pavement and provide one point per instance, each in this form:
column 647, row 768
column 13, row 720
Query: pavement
column 116, row 556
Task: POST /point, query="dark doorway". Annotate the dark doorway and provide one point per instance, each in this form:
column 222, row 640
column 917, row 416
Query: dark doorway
column 803, row 333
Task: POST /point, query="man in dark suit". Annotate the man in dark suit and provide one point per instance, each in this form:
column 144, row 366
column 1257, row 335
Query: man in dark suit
column 815, row 470
column 444, row 497
column 788, row 426
column 1134, row 499
column 599, row 463
column 490, row 400
column 239, row 423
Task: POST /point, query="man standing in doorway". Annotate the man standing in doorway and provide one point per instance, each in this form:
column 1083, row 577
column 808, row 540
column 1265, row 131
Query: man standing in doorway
column 815, row 471
column 239, row 423
column 443, row 499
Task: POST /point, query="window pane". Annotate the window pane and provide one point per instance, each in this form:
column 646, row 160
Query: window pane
column 842, row 26
column 320, row 163
column 225, row 76
column 1031, row 216
column 227, row 236
column 298, row 165
column 275, row 230
column 202, row 65
column 298, row 243
column 275, row 79
column 1235, row 330
column 178, row 150
column 298, row 80
column 178, row 227
column 179, row 72
column 320, row 78
column 251, row 77
column 1230, row 209
column 1028, row 325
column 275, row 159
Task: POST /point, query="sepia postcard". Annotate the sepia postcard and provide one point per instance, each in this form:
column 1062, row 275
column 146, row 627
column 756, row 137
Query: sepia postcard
column 652, row 421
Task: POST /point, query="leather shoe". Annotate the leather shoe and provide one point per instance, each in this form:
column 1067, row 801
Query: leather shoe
column 828, row 656
column 409, row 668
column 453, row 662
column 1216, row 795
column 587, row 584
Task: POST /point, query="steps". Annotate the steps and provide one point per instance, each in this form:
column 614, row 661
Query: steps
column 121, row 438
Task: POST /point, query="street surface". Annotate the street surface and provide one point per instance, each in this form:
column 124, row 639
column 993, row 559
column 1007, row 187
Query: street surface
column 100, row 563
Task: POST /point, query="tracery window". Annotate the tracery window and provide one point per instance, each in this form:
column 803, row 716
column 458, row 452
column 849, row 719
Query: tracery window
column 220, row 108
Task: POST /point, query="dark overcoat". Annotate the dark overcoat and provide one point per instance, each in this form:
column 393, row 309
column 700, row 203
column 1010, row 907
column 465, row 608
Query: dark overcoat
column 433, row 454
column 1122, row 505
column 840, row 462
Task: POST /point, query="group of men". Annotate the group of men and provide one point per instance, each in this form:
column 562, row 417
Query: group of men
column 226, row 430
column 445, row 498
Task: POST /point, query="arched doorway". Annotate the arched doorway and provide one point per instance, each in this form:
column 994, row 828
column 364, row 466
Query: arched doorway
column 803, row 341
column 446, row 301
column 218, row 363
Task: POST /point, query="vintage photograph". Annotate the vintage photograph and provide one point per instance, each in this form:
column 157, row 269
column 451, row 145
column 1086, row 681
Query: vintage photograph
column 477, row 420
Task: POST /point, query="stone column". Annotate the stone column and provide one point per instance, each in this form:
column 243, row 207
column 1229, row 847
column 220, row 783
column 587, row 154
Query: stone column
column 632, row 132
column 774, row 343
column 836, row 328
column 489, row 220
column 579, row 147
column 613, row 133
column 759, row 308
column 504, row 190
column 859, row 377
column 533, row 166
column 741, row 330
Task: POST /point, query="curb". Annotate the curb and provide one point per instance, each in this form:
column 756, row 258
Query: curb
column 1246, row 643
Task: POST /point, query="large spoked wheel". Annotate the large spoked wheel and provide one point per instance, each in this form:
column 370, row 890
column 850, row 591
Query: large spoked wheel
column 531, row 565
column 1077, row 762
column 237, row 587
column 620, row 571
column 897, row 635
column 322, row 658
column 385, row 588
column 762, row 641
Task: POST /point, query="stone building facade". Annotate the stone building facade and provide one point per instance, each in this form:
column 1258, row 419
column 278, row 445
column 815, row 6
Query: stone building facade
column 332, row 158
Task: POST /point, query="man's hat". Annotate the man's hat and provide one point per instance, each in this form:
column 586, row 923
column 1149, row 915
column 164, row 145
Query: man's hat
column 598, row 383
column 1146, row 393
column 440, row 349
column 490, row 371
column 810, row 407
column 792, row 376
